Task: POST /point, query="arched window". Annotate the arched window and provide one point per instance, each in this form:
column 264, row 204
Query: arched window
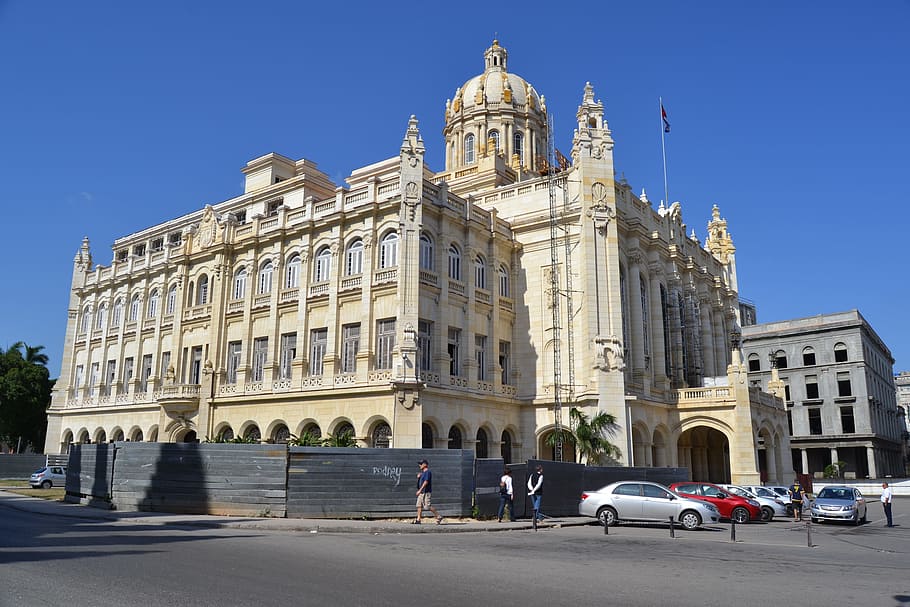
column 118, row 313
column 382, row 434
column 780, row 359
column 171, row 303
column 518, row 147
column 455, row 439
column 454, row 263
column 202, row 294
column 281, row 434
column 239, row 284
column 754, row 362
column 494, row 137
column 264, row 284
column 134, row 308
column 840, row 353
column 388, row 251
column 353, row 258
column 482, row 446
column 505, row 449
column 504, row 290
column 252, row 434
column 86, row 319
column 152, row 310
column 427, row 440
column 808, row 356
column 469, row 148
column 292, row 275
column 323, row 265
column 101, row 316
column 426, row 253
column 480, row 272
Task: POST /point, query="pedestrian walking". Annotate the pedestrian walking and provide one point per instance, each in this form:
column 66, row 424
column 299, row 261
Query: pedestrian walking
column 535, row 490
column 796, row 496
column 506, row 495
column 424, row 492
column 886, row 503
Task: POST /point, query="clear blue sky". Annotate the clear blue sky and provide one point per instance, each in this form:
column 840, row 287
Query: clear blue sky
column 790, row 116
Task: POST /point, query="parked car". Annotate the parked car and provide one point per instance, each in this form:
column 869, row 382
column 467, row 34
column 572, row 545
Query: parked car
column 770, row 502
column 48, row 477
column 839, row 503
column 731, row 507
column 644, row 501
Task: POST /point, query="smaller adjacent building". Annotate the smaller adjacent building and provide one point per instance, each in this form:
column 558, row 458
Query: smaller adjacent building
column 839, row 389
column 902, row 382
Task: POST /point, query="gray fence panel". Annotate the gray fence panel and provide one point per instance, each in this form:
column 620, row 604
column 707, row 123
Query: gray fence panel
column 20, row 466
column 375, row 483
column 191, row 478
column 89, row 472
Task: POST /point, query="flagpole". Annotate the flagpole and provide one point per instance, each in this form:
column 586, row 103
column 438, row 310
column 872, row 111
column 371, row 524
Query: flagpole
column 663, row 148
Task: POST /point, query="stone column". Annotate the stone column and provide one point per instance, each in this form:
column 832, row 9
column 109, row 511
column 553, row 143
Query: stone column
column 635, row 329
column 658, row 350
column 805, row 461
column 870, row 458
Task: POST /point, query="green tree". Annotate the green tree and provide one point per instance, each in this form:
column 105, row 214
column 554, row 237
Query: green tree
column 344, row 439
column 25, row 394
column 591, row 437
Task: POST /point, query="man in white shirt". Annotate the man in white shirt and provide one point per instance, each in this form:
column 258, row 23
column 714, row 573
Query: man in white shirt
column 506, row 496
column 886, row 502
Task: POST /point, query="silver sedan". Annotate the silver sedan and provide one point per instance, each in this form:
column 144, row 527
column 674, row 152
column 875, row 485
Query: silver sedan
column 645, row 501
column 839, row 503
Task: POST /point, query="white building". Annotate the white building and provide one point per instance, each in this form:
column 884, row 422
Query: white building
column 427, row 309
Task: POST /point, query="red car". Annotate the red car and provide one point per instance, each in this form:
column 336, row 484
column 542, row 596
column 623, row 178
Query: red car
column 730, row 506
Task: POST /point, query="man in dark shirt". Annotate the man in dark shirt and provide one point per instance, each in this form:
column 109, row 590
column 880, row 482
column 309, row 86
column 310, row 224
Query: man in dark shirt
column 424, row 491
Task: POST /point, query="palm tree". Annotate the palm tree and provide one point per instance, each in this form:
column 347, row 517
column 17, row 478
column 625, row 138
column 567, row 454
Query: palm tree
column 590, row 437
column 33, row 355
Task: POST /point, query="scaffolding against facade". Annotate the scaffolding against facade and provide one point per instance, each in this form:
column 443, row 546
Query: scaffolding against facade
column 559, row 234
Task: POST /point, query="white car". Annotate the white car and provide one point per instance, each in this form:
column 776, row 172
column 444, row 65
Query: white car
column 771, row 505
column 49, row 476
column 772, row 492
column 645, row 501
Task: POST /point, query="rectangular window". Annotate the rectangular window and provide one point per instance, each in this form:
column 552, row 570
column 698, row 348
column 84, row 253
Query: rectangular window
column 425, row 344
column 165, row 365
column 127, row 374
column 787, row 393
column 260, row 355
column 146, row 371
column 843, row 384
column 110, row 376
column 480, row 356
column 157, row 245
column 815, row 421
column 288, row 354
column 848, row 426
column 233, row 361
column 77, row 380
column 139, row 250
column 453, row 349
column 505, row 355
column 93, row 379
column 175, row 238
column 318, row 340
column 385, row 343
column 811, row 387
column 790, row 421
column 350, row 337
column 196, row 365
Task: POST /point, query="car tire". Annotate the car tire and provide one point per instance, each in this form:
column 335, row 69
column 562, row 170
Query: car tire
column 814, row 520
column 691, row 520
column 607, row 516
column 47, row 485
column 740, row 515
column 767, row 514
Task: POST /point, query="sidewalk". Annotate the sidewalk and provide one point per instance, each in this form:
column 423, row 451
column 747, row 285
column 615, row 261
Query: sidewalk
column 449, row 525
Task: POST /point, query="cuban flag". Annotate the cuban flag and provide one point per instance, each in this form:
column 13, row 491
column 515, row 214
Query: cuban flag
column 663, row 115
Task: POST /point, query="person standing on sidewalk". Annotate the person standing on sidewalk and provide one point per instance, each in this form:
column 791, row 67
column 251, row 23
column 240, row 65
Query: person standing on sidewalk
column 506, row 495
column 424, row 492
column 535, row 490
column 796, row 496
column 886, row 503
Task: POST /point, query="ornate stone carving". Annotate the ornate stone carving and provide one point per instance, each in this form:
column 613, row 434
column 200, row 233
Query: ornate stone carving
column 609, row 354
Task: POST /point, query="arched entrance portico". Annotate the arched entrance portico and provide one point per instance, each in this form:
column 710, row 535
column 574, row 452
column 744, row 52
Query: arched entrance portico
column 705, row 451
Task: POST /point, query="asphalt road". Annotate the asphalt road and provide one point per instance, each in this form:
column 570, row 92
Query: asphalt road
column 52, row 560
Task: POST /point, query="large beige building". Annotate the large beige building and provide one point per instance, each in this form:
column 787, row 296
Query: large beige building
column 427, row 309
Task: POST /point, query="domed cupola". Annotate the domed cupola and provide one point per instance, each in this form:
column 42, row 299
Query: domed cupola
column 495, row 114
